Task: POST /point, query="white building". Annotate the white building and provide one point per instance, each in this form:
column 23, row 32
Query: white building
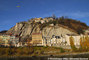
column 76, row 39
column 56, row 40
column 63, row 41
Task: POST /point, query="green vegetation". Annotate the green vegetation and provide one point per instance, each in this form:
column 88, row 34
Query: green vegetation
column 62, row 50
column 16, row 51
column 30, row 51
column 36, row 51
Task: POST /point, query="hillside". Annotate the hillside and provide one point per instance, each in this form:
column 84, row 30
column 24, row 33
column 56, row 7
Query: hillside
column 3, row 31
column 48, row 27
column 71, row 23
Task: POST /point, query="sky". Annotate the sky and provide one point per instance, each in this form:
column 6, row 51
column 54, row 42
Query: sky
column 14, row 11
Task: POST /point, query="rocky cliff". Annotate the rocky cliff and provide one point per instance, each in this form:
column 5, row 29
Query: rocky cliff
column 25, row 30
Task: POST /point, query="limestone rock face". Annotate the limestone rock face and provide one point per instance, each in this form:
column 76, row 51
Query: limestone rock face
column 21, row 29
column 57, row 31
column 25, row 29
